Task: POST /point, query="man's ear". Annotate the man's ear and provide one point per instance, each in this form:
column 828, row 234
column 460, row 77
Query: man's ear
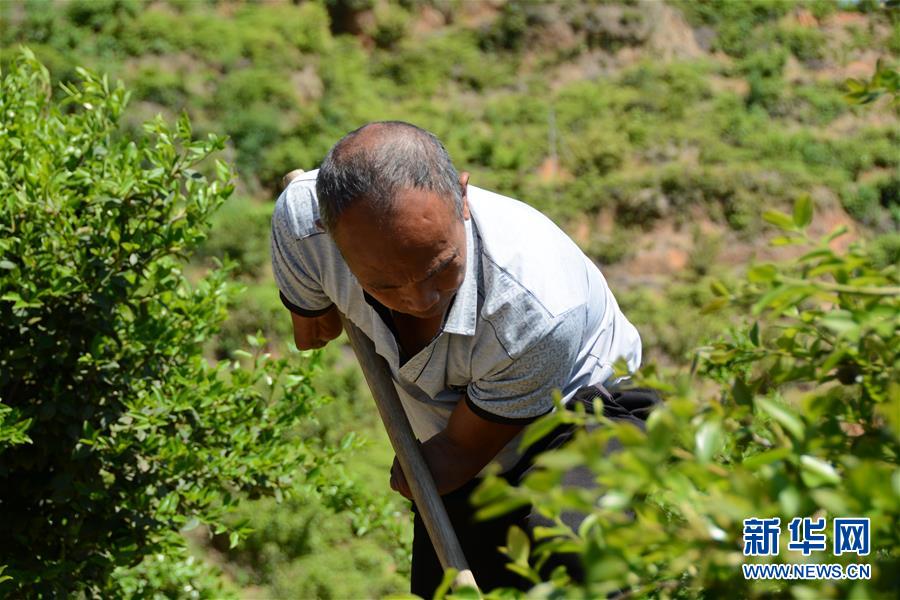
column 464, row 184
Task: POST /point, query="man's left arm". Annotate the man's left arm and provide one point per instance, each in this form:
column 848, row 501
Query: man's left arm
column 459, row 452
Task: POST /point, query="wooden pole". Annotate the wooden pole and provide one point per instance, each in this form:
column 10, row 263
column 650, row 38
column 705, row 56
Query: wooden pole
column 421, row 483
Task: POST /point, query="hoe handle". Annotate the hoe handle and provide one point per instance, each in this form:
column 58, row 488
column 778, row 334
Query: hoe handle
column 424, row 492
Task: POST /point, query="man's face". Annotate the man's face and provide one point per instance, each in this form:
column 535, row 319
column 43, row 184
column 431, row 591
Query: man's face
column 413, row 261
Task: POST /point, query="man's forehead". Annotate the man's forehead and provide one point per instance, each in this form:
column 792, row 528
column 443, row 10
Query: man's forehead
column 409, row 209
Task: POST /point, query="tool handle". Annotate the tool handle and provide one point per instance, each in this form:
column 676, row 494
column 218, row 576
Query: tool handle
column 406, row 447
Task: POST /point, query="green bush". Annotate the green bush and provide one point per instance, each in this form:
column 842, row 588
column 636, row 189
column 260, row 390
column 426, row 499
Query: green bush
column 886, row 249
column 862, row 202
column 817, row 104
column 508, row 31
column 161, row 86
column 391, row 25
column 806, row 43
column 763, row 70
column 793, row 413
column 257, row 308
column 240, row 232
column 736, row 22
column 115, row 433
column 177, row 574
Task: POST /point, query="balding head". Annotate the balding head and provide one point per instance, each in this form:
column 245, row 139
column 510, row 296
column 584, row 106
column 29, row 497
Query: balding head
column 379, row 161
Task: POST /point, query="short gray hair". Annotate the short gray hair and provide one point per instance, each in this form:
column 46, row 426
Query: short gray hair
column 378, row 161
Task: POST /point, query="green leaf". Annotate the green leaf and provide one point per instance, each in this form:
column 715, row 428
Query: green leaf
column 779, row 219
column 714, row 305
column 741, row 392
column 754, row 334
column 465, row 593
column 842, row 323
column 779, row 298
column 787, row 419
column 816, row 472
column 718, row 288
column 803, row 211
column 500, row 507
column 446, row 582
column 708, row 440
column 518, row 546
column 762, row 273
column 764, row 458
column 540, row 428
column 836, row 233
column 5, row 264
column 791, row 240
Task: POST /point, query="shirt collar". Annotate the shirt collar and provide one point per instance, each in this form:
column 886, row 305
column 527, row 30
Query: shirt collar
column 463, row 312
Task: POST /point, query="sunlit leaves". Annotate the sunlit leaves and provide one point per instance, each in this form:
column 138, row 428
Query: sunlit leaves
column 885, row 81
column 115, row 431
column 791, row 412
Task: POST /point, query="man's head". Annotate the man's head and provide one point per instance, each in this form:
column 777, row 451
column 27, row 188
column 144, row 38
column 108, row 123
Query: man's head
column 395, row 206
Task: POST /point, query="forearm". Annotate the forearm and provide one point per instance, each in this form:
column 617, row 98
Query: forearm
column 459, row 452
column 451, row 465
column 315, row 332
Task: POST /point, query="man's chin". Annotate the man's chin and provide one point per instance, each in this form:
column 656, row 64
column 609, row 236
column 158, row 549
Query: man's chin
column 433, row 313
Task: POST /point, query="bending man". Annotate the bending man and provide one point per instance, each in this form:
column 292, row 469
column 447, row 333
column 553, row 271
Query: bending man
column 481, row 306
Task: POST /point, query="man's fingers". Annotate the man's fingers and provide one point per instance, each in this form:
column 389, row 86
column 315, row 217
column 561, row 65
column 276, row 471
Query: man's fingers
column 398, row 480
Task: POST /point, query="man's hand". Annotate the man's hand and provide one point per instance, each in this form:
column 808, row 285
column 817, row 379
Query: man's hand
column 459, row 452
column 314, row 332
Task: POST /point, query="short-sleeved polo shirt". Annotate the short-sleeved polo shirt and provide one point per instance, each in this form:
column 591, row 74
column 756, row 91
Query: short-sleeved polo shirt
column 532, row 315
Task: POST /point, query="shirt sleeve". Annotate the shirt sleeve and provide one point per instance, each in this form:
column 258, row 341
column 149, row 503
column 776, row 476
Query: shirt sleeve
column 520, row 391
column 298, row 280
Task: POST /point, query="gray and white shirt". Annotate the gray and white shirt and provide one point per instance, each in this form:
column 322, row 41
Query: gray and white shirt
column 533, row 314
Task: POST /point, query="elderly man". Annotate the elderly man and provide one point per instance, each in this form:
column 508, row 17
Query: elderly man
column 481, row 306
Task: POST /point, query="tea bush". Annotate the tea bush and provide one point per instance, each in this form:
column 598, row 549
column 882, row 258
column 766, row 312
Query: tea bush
column 803, row 420
column 115, row 433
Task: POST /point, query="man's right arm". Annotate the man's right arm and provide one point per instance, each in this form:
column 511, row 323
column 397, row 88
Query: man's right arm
column 314, row 332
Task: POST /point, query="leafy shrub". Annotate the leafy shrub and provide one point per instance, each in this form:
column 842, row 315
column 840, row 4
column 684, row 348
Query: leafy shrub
column 736, row 22
column 293, row 151
column 95, row 14
column 177, row 574
column 161, row 86
column 246, row 87
column 610, row 249
column 252, row 131
column 508, row 31
column 763, row 70
column 886, row 249
column 803, row 419
column 240, row 232
column 156, row 32
column 670, row 90
column 428, row 66
column 862, row 202
column 257, row 308
column 116, row 433
column 670, row 320
column 391, row 25
column 806, row 43
column 817, row 104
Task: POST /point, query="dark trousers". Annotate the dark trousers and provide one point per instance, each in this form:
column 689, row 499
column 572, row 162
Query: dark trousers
column 480, row 539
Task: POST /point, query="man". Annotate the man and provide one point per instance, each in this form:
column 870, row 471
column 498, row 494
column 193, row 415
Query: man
column 481, row 306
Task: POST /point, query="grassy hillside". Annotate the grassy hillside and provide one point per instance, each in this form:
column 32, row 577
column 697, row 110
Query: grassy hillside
column 654, row 133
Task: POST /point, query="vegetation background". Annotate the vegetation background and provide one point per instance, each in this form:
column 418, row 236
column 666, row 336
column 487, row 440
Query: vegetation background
column 656, row 133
